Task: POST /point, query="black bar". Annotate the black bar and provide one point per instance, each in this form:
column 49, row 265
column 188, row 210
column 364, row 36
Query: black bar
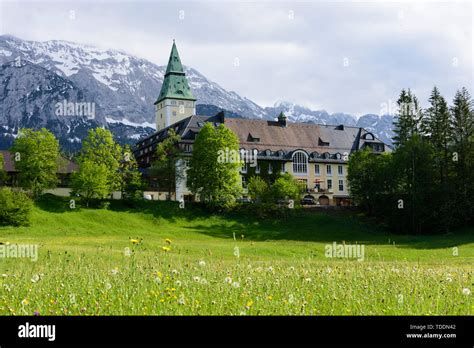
column 243, row 330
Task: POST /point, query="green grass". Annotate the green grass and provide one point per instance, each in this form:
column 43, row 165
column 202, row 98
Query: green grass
column 84, row 269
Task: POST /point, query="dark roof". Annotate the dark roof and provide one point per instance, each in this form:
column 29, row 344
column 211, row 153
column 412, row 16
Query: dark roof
column 186, row 128
column 296, row 136
column 66, row 166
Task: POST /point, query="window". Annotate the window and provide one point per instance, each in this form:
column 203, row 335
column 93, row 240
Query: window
column 340, row 170
column 188, row 148
column 173, row 102
column 341, row 185
column 283, row 167
column 316, row 169
column 270, row 168
column 200, row 124
column 244, row 168
column 181, row 103
column 244, row 182
column 257, row 169
column 328, row 169
column 329, row 184
column 174, row 113
column 300, row 163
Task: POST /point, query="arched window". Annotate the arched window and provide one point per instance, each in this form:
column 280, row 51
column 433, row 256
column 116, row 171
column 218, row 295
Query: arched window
column 369, row 136
column 300, row 163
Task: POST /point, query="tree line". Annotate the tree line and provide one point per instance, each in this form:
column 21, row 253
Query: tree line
column 426, row 185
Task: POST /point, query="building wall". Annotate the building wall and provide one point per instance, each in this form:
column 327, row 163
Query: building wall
column 310, row 178
column 170, row 111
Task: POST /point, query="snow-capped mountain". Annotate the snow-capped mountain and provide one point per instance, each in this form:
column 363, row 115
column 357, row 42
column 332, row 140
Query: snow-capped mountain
column 36, row 76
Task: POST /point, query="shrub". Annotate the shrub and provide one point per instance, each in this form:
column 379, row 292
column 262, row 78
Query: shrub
column 15, row 208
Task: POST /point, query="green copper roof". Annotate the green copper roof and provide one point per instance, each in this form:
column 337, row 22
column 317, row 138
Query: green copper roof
column 175, row 85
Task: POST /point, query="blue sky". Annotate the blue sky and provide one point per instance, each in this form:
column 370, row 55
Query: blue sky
column 341, row 56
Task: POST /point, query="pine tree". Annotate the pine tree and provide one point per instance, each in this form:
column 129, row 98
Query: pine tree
column 463, row 155
column 437, row 129
column 409, row 117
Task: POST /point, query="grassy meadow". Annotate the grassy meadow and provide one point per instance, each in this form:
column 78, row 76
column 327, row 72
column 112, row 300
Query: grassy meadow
column 191, row 263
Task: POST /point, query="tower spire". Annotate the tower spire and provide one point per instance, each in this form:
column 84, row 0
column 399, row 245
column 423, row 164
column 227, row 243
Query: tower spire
column 175, row 101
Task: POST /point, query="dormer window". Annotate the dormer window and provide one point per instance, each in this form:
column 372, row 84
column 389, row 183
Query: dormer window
column 327, row 155
column 369, row 136
column 254, row 138
column 338, row 156
column 322, row 142
column 268, row 153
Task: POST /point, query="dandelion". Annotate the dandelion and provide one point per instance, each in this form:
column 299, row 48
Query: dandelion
column 115, row 271
column 108, row 286
column 35, row 278
column 270, row 297
column 466, row 291
column 228, row 280
column 291, row 269
column 196, row 279
column 270, row 269
column 168, row 241
column 178, row 283
column 236, row 252
column 174, row 272
column 236, row 285
column 449, row 279
column 291, row 299
column 181, row 300
column 158, row 280
column 203, row 281
column 25, row 302
column 307, row 280
column 165, row 248
column 202, row 263
column 249, row 304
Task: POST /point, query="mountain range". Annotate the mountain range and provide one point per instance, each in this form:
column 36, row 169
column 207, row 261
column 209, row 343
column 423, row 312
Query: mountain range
column 38, row 78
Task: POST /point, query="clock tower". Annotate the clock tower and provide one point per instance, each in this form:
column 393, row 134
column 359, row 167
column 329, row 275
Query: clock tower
column 176, row 100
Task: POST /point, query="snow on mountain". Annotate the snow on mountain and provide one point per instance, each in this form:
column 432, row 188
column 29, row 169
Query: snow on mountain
column 122, row 88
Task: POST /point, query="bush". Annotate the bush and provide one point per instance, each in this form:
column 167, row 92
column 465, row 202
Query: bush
column 265, row 210
column 15, row 208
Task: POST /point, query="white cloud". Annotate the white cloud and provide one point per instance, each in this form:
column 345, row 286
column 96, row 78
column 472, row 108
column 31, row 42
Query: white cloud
column 289, row 51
